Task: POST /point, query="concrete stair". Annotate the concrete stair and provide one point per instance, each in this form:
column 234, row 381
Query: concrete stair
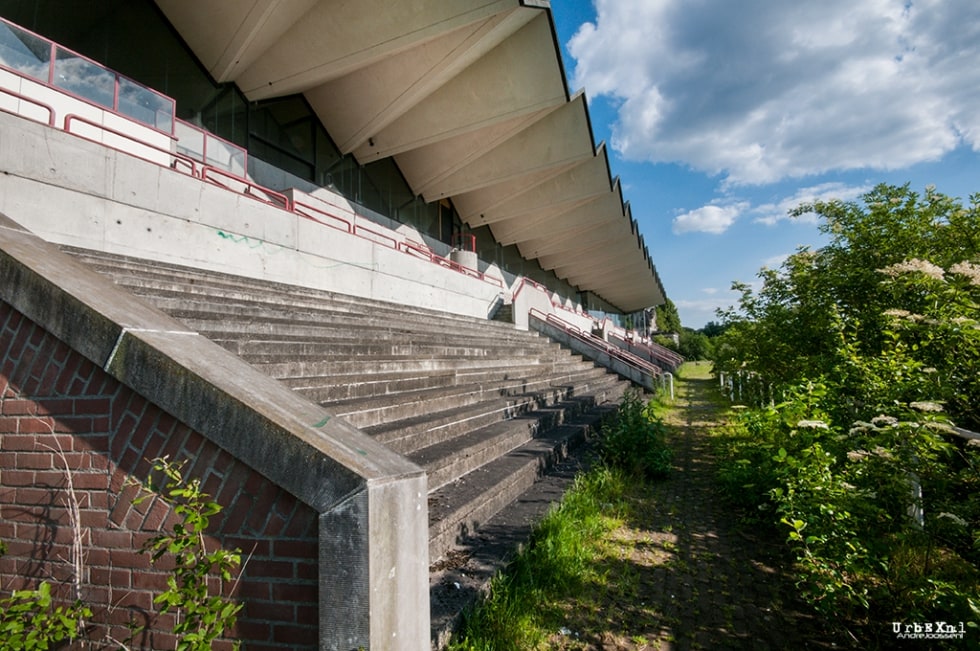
column 487, row 410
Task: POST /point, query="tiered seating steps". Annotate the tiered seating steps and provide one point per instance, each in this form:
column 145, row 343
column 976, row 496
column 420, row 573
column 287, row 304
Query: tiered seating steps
column 484, row 408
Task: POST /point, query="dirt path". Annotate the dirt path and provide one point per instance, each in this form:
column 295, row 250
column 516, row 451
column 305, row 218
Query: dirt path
column 687, row 575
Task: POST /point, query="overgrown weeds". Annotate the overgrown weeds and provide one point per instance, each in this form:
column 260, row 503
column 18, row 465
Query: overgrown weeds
column 880, row 515
column 35, row 620
column 636, row 440
column 565, row 553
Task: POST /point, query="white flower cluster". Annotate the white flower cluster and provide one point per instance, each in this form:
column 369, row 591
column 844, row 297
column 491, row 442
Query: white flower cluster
column 969, row 270
column 904, row 315
column 914, row 265
column 812, row 424
column 924, row 405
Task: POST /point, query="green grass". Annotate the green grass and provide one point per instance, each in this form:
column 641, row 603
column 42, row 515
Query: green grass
column 568, row 550
column 562, row 556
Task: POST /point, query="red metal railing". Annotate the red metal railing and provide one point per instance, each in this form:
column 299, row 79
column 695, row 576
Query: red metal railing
column 204, row 169
column 175, row 160
column 29, row 100
column 192, row 139
column 573, row 330
column 341, row 224
column 655, row 351
column 74, row 74
column 245, row 186
column 525, row 281
column 464, row 241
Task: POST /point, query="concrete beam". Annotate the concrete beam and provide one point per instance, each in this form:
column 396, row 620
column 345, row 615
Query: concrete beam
column 229, row 37
column 561, row 137
column 440, row 159
column 357, row 107
column 565, row 247
column 519, row 76
column 558, row 194
column 334, row 39
column 599, row 211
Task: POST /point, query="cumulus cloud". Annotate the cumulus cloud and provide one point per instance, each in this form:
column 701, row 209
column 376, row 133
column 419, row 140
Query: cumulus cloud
column 712, row 218
column 763, row 90
column 771, row 213
column 776, row 261
column 697, row 312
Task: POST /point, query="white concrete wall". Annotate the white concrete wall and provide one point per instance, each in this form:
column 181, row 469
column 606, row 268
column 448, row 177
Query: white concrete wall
column 64, row 105
column 533, row 297
column 74, row 192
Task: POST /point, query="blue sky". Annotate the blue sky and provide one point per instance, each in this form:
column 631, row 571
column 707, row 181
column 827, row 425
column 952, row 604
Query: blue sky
column 721, row 116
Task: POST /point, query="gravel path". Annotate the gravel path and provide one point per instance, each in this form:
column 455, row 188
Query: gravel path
column 687, row 574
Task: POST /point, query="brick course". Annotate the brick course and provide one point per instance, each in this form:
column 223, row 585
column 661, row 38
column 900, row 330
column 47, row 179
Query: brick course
column 57, row 408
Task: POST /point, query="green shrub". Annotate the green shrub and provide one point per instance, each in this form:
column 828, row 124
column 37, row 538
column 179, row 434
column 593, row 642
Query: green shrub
column 201, row 616
column 636, row 440
column 29, row 620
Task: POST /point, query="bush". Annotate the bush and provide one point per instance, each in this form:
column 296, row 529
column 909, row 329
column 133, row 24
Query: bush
column 636, row 440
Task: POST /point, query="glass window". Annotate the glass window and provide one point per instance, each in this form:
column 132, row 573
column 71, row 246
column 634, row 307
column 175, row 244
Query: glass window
column 24, row 52
column 84, row 78
column 146, row 106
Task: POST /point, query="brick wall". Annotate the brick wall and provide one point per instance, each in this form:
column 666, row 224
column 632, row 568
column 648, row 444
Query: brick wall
column 58, row 408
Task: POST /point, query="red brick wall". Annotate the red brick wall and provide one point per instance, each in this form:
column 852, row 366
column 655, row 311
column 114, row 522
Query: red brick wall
column 52, row 399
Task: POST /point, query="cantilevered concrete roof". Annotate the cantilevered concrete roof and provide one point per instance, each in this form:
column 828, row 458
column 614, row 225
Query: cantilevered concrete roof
column 468, row 97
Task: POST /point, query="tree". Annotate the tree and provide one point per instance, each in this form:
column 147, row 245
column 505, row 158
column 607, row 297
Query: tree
column 668, row 320
column 830, row 314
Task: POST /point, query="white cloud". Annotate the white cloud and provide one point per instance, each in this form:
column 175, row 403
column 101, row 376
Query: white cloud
column 775, row 261
column 771, row 213
column 764, row 90
column 708, row 219
column 696, row 312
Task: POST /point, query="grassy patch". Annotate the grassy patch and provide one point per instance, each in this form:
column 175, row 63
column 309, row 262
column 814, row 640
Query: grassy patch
column 564, row 556
column 570, row 549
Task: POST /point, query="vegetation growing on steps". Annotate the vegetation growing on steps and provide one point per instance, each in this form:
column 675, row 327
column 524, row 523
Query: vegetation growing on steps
column 521, row 611
column 635, row 441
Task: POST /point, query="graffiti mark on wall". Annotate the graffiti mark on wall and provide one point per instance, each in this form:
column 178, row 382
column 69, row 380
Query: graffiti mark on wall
column 274, row 249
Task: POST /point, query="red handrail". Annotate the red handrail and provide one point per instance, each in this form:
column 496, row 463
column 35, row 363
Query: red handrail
column 659, row 352
column 386, row 238
column 632, row 360
column 252, row 190
column 468, row 238
column 176, row 159
column 30, row 100
column 49, row 80
column 299, row 208
column 533, row 283
column 207, row 136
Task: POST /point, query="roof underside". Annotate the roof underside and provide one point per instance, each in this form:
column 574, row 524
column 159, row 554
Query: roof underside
column 469, row 99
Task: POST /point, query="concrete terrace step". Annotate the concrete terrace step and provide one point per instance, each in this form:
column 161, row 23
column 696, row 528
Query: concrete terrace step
column 459, row 508
column 425, row 429
column 352, row 386
column 517, row 395
column 288, row 370
column 268, row 350
column 236, row 311
column 485, row 409
column 159, row 279
column 448, row 460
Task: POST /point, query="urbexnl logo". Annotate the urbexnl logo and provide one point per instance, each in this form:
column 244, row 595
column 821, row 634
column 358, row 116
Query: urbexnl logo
column 929, row 631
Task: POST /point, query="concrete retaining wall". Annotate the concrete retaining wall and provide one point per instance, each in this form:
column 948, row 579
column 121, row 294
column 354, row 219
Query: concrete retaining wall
column 70, row 191
column 338, row 523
